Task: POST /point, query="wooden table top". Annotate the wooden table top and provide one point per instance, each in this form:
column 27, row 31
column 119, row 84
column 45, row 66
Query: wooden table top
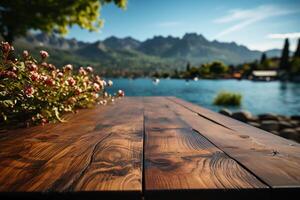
column 147, row 148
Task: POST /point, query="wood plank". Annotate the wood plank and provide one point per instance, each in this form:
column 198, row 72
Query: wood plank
column 251, row 147
column 96, row 150
column 241, row 127
column 179, row 159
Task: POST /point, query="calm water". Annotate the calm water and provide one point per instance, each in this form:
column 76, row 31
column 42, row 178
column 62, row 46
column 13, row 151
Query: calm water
column 258, row 97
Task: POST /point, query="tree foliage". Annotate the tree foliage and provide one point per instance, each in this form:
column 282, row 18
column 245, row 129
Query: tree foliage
column 284, row 61
column 19, row 16
column 218, row 68
column 297, row 52
column 263, row 58
column 295, row 66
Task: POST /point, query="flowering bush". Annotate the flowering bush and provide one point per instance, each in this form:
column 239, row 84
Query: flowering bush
column 34, row 92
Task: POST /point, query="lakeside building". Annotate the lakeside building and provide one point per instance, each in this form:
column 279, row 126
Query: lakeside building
column 264, row 75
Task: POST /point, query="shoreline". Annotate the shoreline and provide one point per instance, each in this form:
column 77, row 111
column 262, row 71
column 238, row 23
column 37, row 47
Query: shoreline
column 198, row 79
column 281, row 125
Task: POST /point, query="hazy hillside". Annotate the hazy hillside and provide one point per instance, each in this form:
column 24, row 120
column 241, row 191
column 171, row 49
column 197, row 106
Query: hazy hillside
column 128, row 54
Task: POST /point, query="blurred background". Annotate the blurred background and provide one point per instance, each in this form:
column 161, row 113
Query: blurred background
column 239, row 55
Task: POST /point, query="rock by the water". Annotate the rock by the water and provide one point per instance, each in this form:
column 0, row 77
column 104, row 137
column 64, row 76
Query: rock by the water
column 226, row 112
column 284, row 117
column 275, row 132
column 269, row 125
column 281, row 125
column 285, row 124
column 295, row 117
column 243, row 116
column 255, row 124
column 295, row 123
column 254, row 119
column 268, row 116
column 290, row 133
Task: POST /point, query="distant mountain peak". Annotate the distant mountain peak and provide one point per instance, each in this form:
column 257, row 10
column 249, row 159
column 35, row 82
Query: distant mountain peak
column 123, row 52
column 194, row 36
column 121, row 43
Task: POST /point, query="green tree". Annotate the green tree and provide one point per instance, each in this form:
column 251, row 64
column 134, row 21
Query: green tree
column 194, row 72
column 284, row 60
column 297, row 52
column 19, row 16
column 254, row 65
column 263, row 58
column 204, row 70
column 188, row 66
column 295, row 66
column 218, row 68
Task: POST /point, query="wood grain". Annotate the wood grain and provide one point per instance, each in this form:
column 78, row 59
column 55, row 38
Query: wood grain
column 178, row 158
column 251, row 147
column 96, row 150
column 186, row 151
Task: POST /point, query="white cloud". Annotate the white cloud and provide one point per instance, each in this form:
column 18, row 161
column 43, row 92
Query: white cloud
column 264, row 46
column 169, row 24
column 246, row 17
column 284, row 35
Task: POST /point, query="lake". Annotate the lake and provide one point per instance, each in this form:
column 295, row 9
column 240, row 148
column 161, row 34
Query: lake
column 258, row 97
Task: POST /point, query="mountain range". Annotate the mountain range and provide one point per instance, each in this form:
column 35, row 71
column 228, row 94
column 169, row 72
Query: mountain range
column 128, row 54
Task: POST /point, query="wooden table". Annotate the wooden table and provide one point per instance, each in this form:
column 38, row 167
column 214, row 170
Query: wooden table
column 148, row 148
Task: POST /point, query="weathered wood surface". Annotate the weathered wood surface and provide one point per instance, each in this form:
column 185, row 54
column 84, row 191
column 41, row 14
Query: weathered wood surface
column 179, row 159
column 148, row 147
column 97, row 150
column 273, row 159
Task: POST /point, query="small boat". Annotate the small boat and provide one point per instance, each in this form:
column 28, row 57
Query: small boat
column 196, row 78
column 155, row 81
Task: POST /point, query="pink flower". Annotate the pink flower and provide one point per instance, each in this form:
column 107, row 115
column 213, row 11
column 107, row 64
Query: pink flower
column 78, row 91
column 96, row 87
column 89, row 69
column 121, row 93
column 44, row 121
column 6, row 47
column 11, row 74
column 34, row 76
column 82, row 71
column 51, row 67
column 60, row 74
column 97, row 78
column 43, row 78
column 44, row 54
column 29, row 90
column 68, row 68
column 95, row 95
column 32, row 66
column 102, row 83
column 33, row 118
column 44, row 64
column 71, row 81
column 49, row 81
column 25, row 54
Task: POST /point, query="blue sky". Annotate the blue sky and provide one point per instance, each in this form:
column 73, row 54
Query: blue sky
column 258, row 24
